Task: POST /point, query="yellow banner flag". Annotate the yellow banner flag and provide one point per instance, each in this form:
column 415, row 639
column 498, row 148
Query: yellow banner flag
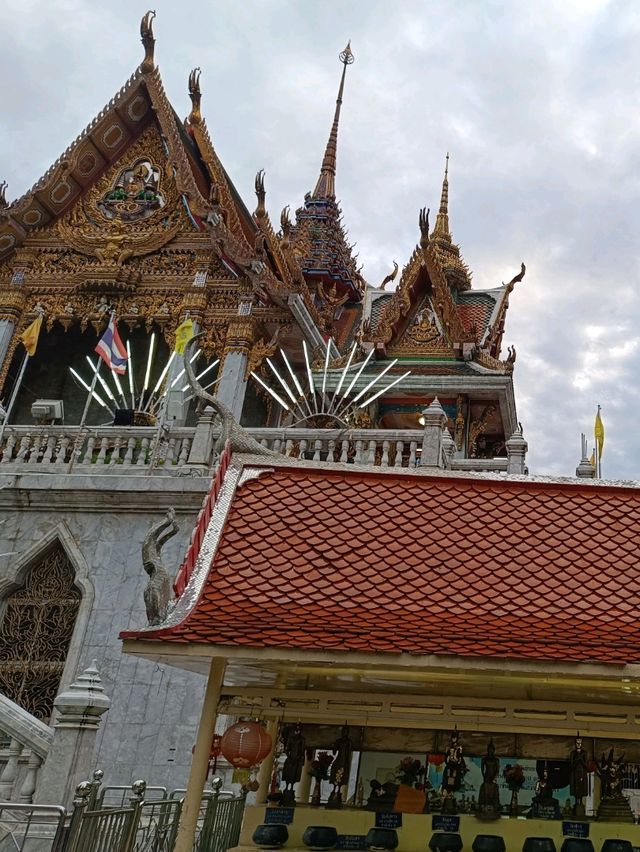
column 599, row 433
column 29, row 337
column 184, row 333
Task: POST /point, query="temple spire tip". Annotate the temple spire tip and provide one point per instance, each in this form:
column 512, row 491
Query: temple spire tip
column 441, row 228
column 326, row 185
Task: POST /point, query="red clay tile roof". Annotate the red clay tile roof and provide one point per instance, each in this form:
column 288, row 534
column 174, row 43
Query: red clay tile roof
column 364, row 561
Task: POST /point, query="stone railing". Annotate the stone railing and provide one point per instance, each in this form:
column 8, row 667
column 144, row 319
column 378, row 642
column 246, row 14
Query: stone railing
column 141, row 451
column 111, row 448
column 27, row 742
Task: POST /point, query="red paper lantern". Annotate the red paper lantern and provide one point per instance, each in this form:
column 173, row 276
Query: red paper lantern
column 245, row 744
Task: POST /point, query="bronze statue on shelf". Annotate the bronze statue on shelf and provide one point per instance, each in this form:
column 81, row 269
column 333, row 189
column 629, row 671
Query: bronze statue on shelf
column 578, row 776
column 340, row 768
column 454, row 771
column 610, row 774
column 543, row 805
column 294, row 748
column 489, row 796
column 614, row 805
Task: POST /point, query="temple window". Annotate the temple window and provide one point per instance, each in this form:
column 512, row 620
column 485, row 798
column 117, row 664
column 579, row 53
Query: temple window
column 36, row 627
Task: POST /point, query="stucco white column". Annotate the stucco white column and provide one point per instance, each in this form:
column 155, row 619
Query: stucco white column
column 200, row 761
column 435, row 421
column 266, row 767
column 304, row 787
column 7, row 327
column 177, row 407
column 232, row 386
column 71, row 755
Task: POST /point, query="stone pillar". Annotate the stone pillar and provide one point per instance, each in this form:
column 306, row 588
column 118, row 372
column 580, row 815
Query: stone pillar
column 435, row 420
column 70, row 758
column 232, row 385
column 585, row 469
column 7, row 328
column 448, row 448
column 266, row 767
column 517, row 453
column 203, row 440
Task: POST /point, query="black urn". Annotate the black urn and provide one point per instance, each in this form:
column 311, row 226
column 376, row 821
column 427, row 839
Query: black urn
column 539, row 844
column 382, row 839
column 617, row 846
column 577, row 844
column 320, row 837
column 445, row 841
column 270, row 836
column 488, row 843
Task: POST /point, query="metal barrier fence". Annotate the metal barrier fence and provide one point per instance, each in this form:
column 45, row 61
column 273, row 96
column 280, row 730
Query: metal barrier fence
column 24, row 825
column 121, row 819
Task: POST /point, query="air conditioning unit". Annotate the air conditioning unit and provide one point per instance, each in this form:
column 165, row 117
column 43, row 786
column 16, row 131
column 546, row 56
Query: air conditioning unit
column 47, row 409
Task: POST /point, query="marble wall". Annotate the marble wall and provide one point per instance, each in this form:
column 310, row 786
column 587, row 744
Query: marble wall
column 149, row 729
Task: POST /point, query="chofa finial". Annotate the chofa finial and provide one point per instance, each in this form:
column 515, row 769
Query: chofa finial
column 423, row 221
column 195, row 115
column 148, row 41
column 260, row 210
column 388, row 279
column 3, row 197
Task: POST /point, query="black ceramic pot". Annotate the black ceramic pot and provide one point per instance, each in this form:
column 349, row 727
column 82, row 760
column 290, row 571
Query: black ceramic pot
column 488, row 843
column 617, row 846
column 382, row 839
column 577, row 844
column 270, row 836
column 539, row 844
column 320, row 837
column 445, row 841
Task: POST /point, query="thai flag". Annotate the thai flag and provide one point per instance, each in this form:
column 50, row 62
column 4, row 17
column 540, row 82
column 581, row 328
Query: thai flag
column 112, row 350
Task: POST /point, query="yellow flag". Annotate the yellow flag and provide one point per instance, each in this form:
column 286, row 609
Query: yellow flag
column 184, row 333
column 592, row 460
column 599, row 433
column 29, row 337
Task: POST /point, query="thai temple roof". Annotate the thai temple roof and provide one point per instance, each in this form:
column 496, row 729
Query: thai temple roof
column 432, row 312
column 345, row 559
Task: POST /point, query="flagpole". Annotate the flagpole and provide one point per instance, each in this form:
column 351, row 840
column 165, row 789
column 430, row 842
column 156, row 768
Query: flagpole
column 14, row 394
column 76, row 449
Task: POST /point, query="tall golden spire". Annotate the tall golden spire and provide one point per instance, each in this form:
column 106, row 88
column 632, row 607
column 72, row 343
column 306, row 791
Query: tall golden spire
column 441, row 228
column 326, row 185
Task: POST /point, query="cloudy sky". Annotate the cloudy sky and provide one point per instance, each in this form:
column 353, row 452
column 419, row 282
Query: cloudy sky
column 537, row 101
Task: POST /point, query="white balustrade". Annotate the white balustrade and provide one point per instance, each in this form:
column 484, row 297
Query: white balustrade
column 138, row 451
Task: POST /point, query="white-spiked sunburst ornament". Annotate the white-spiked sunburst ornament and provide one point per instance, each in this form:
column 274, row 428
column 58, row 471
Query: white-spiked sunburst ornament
column 318, row 405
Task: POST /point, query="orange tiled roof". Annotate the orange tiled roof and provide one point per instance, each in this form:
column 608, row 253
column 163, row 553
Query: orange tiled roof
column 364, row 561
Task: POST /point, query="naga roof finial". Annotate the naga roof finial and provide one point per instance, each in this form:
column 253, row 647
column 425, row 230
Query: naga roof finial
column 195, row 116
column 423, row 222
column 260, row 210
column 3, row 197
column 148, row 41
column 441, row 228
column 326, row 185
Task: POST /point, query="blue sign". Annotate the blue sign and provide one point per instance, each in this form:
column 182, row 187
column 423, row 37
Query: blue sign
column 445, row 822
column 575, row 829
column 351, row 841
column 279, row 816
column 388, row 819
